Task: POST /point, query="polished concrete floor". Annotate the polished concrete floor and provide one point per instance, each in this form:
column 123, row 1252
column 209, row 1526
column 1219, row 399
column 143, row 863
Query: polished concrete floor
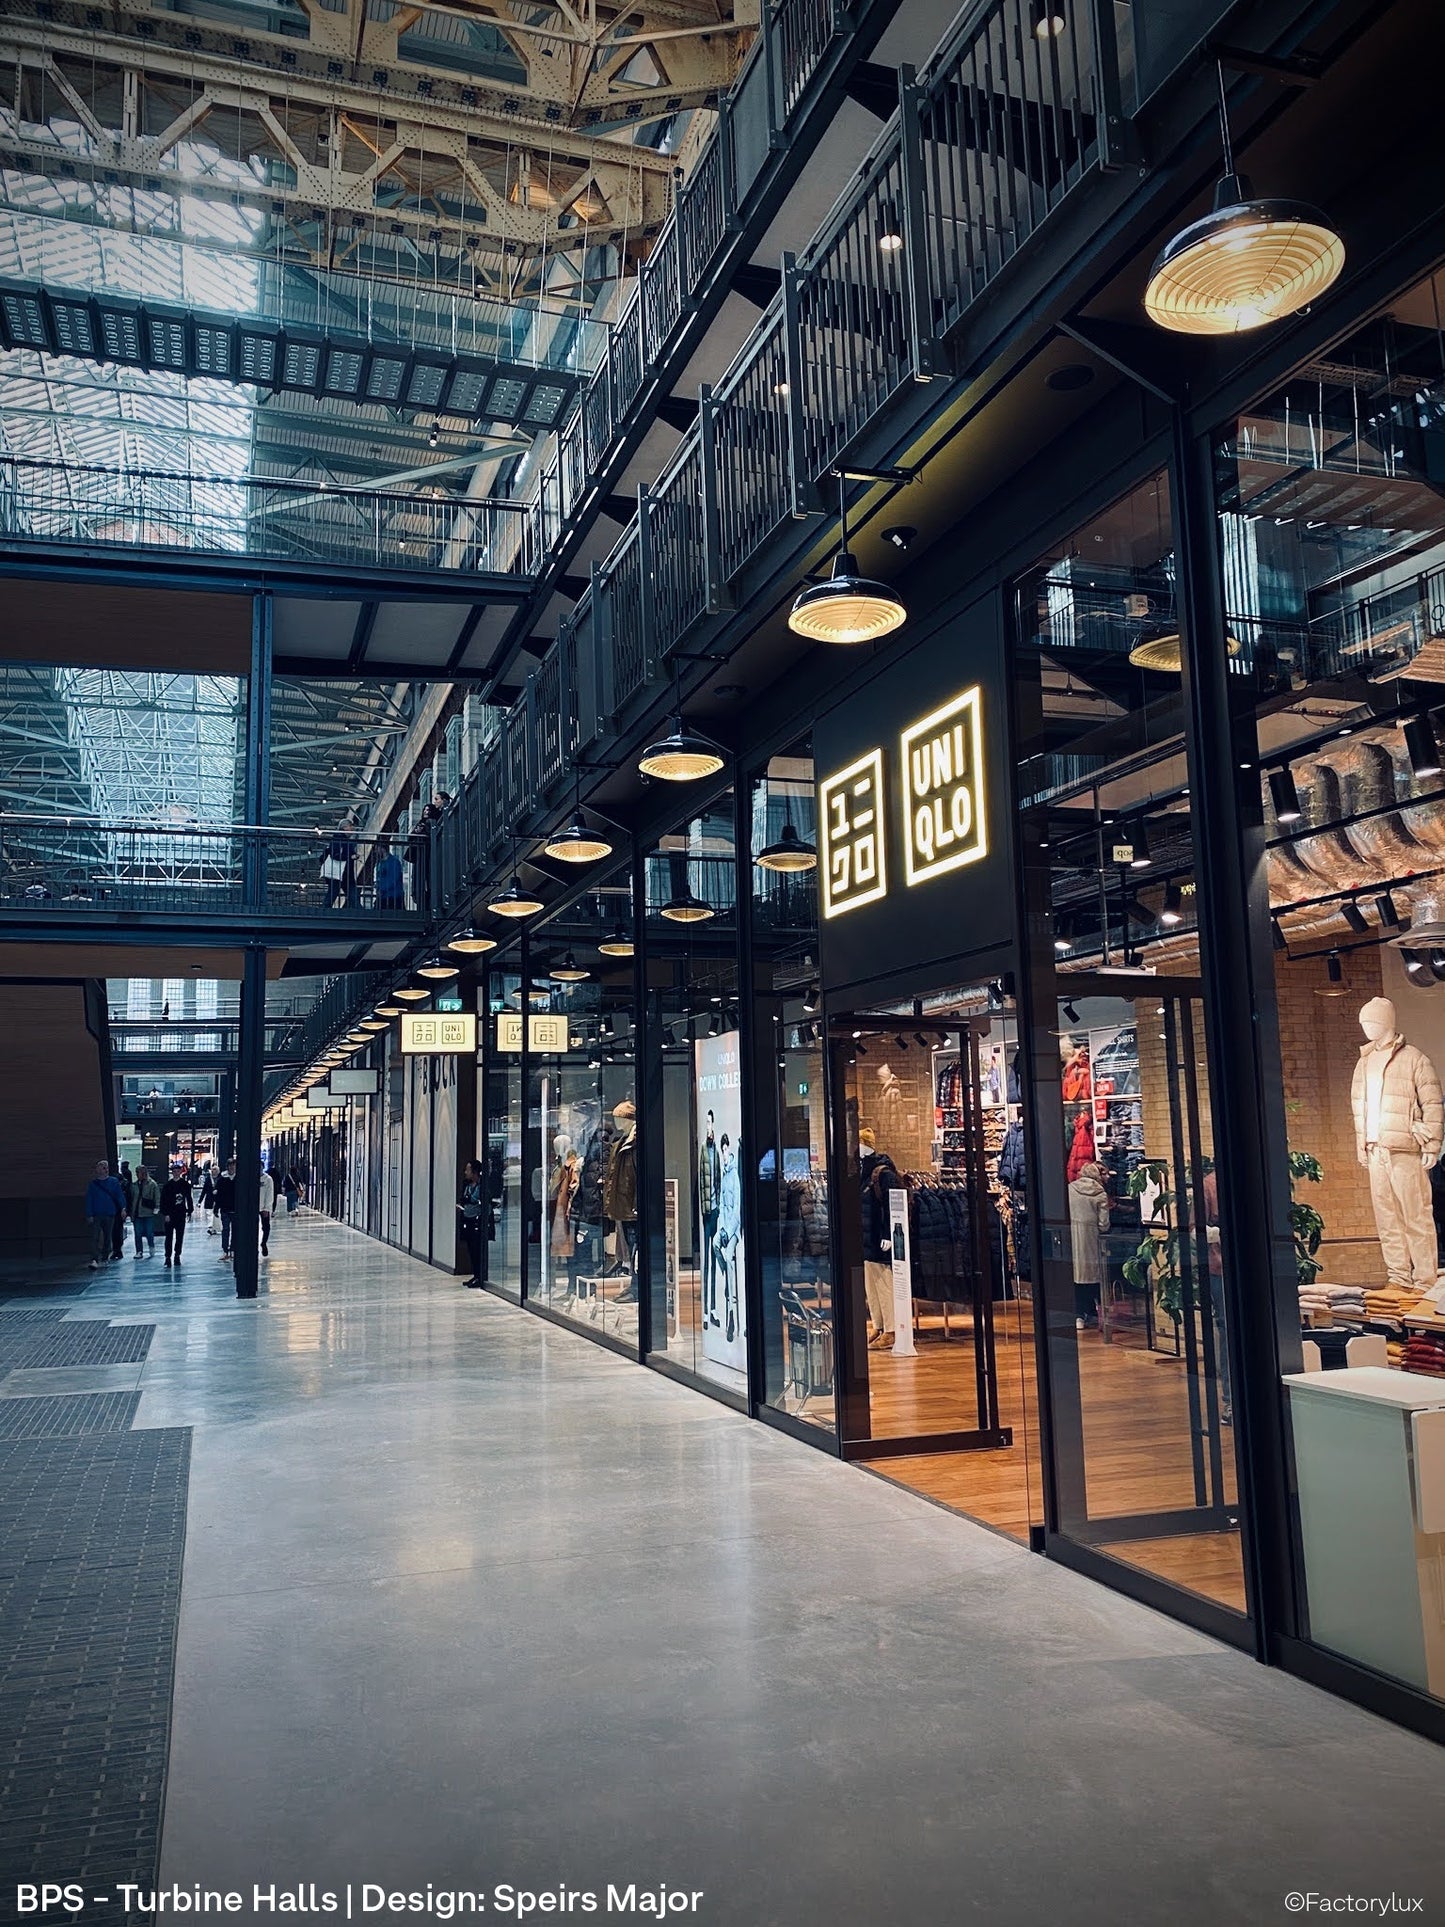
column 470, row 1601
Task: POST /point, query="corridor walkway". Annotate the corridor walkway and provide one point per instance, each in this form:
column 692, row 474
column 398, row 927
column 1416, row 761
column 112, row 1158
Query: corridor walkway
column 469, row 1602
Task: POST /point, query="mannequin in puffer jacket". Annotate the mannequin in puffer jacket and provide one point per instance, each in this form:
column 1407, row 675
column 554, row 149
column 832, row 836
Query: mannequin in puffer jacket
column 1399, row 1116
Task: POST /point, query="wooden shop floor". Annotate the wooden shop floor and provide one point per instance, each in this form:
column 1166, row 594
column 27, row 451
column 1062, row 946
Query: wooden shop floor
column 1136, row 1442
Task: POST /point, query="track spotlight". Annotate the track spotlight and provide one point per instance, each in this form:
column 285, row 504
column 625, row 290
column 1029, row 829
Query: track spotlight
column 860, row 1050
column 1139, row 842
column 1355, row 918
column 813, row 1001
column 1250, row 261
column 1421, row 747
column 1334, row 984
column 1284, row 796
column 1070, row 1011
column 848, row 607
column 900, row 1040
column 714, row 1024
column 1172, row 910
column 1389, row 916
column 788, row 854
column 901, row 538
column 1414, row 962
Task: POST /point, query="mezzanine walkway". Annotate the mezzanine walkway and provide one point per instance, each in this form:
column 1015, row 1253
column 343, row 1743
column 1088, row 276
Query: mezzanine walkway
column 469, row 1601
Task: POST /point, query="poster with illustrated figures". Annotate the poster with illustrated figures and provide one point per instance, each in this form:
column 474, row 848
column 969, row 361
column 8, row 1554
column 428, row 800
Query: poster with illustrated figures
column 717, row 1195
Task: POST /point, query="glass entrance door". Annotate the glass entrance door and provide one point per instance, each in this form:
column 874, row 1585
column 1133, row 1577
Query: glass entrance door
column 939, row 1390
column 1140, row 1376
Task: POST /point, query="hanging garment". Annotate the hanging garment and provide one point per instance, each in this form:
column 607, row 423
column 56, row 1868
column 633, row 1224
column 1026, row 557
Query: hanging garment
column 619, row 1190
column 1081, row 1150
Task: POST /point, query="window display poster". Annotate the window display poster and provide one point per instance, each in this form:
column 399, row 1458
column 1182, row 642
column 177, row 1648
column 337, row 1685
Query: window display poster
column 717, row 1195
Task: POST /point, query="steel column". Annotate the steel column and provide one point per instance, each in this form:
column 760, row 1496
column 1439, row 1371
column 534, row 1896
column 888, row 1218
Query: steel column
column 916, row 251
column 258, row 753
column 250, row 1072
column 1249, row 1138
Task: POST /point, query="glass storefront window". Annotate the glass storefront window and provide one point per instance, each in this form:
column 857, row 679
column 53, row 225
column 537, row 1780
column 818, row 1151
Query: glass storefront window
column 793, row 1243
column 1133, row 1285
column 582, row 1117
column 1332, row 544
column 697, row 1258
column 499, row 1126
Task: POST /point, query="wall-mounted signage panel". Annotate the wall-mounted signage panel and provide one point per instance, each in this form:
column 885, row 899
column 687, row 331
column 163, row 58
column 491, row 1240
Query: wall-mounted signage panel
column 438, row 1033
column 914, row 843
column 547, row 1034
column 354, row 1083
column 318, row 1098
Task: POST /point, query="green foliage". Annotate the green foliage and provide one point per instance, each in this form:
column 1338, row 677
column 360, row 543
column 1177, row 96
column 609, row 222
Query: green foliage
column 1306, row 1225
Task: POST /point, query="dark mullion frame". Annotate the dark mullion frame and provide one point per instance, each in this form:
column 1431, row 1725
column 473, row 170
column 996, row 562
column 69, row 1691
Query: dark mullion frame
column 757, row 1051
column 646, row 1097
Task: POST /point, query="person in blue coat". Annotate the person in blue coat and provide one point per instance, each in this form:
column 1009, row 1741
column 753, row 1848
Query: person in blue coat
column 104, row 1206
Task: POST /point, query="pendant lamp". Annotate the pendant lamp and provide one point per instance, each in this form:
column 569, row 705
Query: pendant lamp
column 569, row 971
column 411, row 994
column 471, row 943
column 514, row 901
column 1165, row 653
column 789, row 855
column 388, row 1010
column 848, row 607
column 687, row 908
column 437, row 968
column 1250, row 261
column 617, row 944
column 681, row 756
column 577, row 844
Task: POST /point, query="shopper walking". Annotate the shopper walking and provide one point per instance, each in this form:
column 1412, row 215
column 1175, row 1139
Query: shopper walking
column 208, row 1198
column 177, row 1204
column 104, row 1205
column 338, row 866
column 145, row 1211
column 471, row 1215
column 268, row 1204
column 226, row 1206
column 291, row 1191
column 117, row 1230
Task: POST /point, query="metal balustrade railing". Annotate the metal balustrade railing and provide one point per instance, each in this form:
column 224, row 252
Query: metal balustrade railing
column 998, row 130
column 43, row 501
column 77, row 867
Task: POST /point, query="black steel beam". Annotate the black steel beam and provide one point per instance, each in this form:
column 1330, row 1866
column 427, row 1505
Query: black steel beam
column 361, row 637
column 874, row 87
column 112, row 562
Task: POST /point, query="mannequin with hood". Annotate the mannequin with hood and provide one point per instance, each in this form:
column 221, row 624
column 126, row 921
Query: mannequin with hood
column 1399, row 1117
column 877, row 1176
column 1088, row 1220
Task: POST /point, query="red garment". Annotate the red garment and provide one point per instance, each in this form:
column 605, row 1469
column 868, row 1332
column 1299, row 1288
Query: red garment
column 1081, row 1151
column 1078, row 1078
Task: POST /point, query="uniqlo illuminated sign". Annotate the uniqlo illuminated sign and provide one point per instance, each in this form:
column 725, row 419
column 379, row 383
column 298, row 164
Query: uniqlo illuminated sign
column 943, row 813
column 438, row 1034
column 850, row 810
column 939, row 791
column 547, row 1034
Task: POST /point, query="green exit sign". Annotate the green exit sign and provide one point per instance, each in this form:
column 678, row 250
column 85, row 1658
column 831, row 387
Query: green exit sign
column 447, row 1000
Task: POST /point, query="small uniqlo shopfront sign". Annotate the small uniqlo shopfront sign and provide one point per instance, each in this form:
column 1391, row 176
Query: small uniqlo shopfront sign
column 547, row 1034
column 855, row 863
column 438, row 1033
column 943, row 808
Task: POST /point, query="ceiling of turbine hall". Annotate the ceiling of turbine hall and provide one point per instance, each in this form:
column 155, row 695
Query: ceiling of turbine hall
column 474, row 132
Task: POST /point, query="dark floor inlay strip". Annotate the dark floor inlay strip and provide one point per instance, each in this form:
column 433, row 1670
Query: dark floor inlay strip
column 92, row 1532
column 79, row 1415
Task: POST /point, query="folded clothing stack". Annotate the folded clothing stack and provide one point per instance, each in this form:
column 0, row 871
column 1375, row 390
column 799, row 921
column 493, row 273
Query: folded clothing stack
column 1425, row 1352
column 1391, row 1302
column 1325, row 1302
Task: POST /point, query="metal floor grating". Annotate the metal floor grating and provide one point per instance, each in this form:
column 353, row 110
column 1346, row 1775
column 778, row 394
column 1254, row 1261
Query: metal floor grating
column 92, row 1532
column 76, row 1416
column 40, row 1345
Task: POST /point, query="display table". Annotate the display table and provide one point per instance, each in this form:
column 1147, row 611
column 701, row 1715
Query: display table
column 1369, row 1446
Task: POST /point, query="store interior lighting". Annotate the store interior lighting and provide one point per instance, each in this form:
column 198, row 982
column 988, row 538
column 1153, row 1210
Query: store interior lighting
column 1172, row 910
column 1389, row 916
column 1250, row 261
column 1421, row 747
column 1334, row 984
column 1284, row 796
column 1355, row 918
